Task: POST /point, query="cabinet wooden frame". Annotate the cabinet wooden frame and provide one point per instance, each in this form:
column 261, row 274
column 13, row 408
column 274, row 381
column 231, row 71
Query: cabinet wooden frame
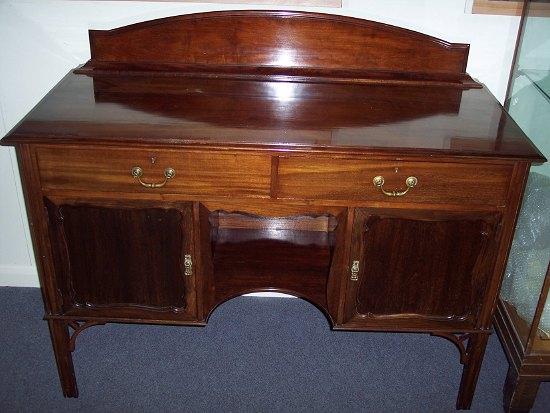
column 502, row 7
column 510, row 8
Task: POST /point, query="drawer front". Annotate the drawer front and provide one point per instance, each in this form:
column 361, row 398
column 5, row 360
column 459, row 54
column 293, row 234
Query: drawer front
column 196, row 173
column 352, row 179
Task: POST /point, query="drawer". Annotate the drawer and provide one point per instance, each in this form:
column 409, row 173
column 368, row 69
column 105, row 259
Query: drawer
column 352, row 179
column 196, row 172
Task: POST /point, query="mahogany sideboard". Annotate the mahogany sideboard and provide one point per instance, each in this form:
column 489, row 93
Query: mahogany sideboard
column 199, row 157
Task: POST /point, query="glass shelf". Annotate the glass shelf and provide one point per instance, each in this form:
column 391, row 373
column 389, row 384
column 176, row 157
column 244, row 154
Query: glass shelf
column 540, row 79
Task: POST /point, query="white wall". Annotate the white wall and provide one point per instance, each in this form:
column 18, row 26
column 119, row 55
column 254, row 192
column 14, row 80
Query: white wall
column 41, row 40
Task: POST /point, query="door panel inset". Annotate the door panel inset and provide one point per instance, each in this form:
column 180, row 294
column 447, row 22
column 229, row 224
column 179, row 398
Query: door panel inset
column 123, row 257
column 427, row 265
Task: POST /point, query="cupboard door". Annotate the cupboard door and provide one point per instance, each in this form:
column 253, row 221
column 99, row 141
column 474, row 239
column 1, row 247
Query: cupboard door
column 124, row 260
column 416, row 268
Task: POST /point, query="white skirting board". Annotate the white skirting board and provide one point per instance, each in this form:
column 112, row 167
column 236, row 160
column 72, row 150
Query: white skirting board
column 26, row 276
column 18, row 276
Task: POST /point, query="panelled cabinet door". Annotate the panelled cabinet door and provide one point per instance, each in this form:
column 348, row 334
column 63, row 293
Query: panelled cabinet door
column 130, row 259
column 416, row 269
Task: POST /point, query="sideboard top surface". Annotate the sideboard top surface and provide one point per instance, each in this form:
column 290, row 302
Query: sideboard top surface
column 275, row 115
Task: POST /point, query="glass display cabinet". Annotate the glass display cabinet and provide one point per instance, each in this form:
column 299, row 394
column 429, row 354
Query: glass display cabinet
column 523, row 316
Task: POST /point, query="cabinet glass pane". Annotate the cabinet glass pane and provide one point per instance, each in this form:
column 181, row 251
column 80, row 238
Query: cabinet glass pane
column 529, row 105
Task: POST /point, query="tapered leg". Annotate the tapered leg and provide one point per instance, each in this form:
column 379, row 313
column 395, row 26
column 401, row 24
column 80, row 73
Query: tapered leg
column 519, row 393
column 63, row 357
column 475, row 351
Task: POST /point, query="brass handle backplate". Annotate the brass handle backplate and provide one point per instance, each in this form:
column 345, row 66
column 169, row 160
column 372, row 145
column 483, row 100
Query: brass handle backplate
column 137, row 173
column 354, row 271
column 411, row 182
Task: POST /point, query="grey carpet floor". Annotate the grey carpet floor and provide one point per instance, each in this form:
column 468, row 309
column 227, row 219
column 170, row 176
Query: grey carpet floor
column 255, row 355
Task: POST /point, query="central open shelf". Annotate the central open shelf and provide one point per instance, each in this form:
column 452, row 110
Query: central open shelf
column 292, row 255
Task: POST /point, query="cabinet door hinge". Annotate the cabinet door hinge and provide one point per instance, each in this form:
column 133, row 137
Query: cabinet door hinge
column 355, row 271
column 188, row 264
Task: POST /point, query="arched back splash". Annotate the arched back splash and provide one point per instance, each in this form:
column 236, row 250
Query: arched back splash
column 278, row 45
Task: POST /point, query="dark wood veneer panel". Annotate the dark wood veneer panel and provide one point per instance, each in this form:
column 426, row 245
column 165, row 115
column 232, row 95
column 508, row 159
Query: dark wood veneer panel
column 427, row 267
column 121, row 257
column 435, row 266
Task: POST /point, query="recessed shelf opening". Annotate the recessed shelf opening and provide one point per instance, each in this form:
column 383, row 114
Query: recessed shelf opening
column 289, row 254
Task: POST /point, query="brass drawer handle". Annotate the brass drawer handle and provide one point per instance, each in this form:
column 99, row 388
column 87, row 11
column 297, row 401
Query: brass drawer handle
column 411, row 182
column 137, row 173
